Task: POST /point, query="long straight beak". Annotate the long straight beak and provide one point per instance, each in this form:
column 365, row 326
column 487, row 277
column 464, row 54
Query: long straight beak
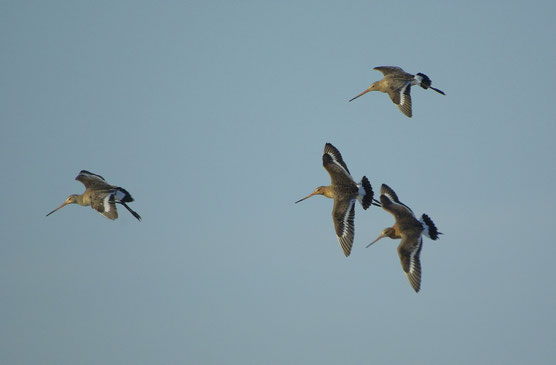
column 363, row 93
column 60, row 207
column 308, row 196
column 379, row 237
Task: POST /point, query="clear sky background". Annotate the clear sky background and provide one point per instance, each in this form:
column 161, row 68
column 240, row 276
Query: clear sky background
column 214, row 115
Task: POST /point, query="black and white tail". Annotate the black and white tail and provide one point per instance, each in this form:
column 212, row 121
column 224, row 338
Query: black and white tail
column 425, row 82
column 366, row 194
column 429, row 228
column 122, row 197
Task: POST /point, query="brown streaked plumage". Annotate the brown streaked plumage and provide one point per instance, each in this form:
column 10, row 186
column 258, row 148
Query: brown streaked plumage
column 100, row 195
column 397, row 84
column 344, row 190
column 410, row 230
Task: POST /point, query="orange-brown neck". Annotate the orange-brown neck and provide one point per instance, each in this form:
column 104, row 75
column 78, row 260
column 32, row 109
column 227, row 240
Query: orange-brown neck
column 380, row 85
column 392, row 232
column 326, row 191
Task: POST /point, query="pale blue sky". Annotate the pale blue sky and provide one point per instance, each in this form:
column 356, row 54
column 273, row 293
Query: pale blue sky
column 214, row 115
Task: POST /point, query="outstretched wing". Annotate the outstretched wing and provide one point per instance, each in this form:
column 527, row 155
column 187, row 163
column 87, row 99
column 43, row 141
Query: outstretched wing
column 343, row 215
column 104, row 202
column 409, row 251
column 336, row 156
column 402, row 98
column 392, row 204
column 336, row 167
column 388, row 70
column 91, row 180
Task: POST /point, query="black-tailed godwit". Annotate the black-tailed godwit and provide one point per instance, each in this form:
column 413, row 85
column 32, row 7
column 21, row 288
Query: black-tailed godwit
column 397, row 83
column 410, row 230
column 100, row 195
column 344, row 190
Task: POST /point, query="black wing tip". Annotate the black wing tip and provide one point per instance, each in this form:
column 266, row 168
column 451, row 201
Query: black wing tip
column 415, row 279
column 369, row 194
column 333, row 155
column 329, row 148
column 86, row 172
column 433, row 231
column 386, row 190
column 346, row 246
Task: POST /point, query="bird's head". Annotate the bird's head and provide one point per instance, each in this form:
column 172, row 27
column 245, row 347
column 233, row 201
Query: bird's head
column 72, row 199
column 321, row 190
column 386, row 232
column 370, row 88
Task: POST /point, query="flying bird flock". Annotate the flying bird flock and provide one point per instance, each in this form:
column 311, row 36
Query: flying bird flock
column 343, row 189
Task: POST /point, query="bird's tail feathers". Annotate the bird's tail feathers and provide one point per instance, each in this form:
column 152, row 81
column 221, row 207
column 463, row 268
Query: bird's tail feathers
column 123, row 195
column 430, row 229
column 423, row 80
column 366, row 194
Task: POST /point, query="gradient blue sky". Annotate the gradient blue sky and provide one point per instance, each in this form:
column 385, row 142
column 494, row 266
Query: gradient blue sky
column 214, row 115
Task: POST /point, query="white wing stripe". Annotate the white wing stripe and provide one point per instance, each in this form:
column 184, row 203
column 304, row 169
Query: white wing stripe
column 106, row 203
column 412, row 260
column 346, row 225
column 402, row 93
column 338, row 164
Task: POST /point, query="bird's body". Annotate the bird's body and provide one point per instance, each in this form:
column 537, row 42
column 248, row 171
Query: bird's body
column 410, row 230
column 397, row 84
column 100, row 195
column 345, row 191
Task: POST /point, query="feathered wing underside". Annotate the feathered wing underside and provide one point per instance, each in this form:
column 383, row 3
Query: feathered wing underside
column 388, row 191
column 336, row 156
column 91, row 180
column 402, row 98
column 338, row 174
column 104, row 202
column 409, row 251
column 391, row 194
column 399, row 211
column 343, row 215
column 389, row 70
